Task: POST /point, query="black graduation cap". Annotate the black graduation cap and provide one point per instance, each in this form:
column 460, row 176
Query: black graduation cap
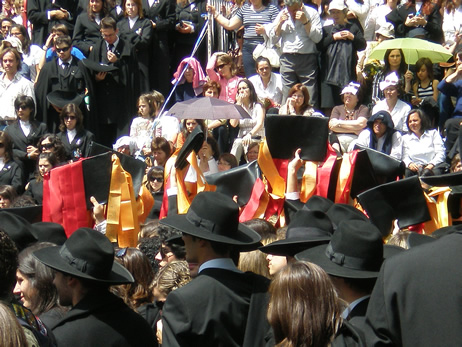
column 98, row 67
column 403, row 200
column 61, row 98
column 384, row 166
column 97, row 172
column 32, row 214
column 236, row 181
column 364, row 175
column 284, row 134
column 193, row 142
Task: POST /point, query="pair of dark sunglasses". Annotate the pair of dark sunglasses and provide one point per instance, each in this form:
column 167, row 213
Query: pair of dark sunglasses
column 156, row 179
column 62, row 50
column 47, row 146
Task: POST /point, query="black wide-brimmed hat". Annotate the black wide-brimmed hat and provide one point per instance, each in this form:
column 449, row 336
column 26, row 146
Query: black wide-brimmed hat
column 214, row 217
column 306, row 229
column 18, row 229
column 355, row 251
column 98, row 67
column 49, row 232
column 342, row 212
column 61, row 98
column 86, row 254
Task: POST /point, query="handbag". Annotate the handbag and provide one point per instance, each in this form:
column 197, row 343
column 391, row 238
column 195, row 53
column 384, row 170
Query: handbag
column 267, row 50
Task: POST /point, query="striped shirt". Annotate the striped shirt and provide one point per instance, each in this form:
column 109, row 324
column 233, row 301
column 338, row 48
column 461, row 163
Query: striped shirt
column 249, row 18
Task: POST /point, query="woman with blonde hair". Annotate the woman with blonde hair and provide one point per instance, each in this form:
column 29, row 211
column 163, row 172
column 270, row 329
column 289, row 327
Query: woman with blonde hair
column 11, row 332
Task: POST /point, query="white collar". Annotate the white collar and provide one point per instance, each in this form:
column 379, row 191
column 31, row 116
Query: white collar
column 220, row 263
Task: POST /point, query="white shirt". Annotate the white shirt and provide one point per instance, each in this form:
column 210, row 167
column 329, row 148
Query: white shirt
column 25, row 126
column 429, row 149
column 2, row 163
column 132, row 21
column 398, row 114
column 294, row 38
column 71, row 135
column 273, row 91
column 360, row 10
column 452, row 23
column 396, row 142
column 375, row 20
column 167, row 126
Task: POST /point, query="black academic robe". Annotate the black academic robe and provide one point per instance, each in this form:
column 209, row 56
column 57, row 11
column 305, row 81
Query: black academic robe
column 86, row 33
column 163, row 14
column 102, row 319
column 115, row 96
column 12, row 174
column 53, row 78
column 35, row 190
column 41, row 26
column 416, row 299
column 21, row 142
column 139, row 37
column 80, row 145
column 218, row 308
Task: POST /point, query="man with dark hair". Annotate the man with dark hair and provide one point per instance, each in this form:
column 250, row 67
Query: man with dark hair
column 172, row 247
column 85, row 268
column 64, row 73
column 36, row 333
column 6, row 24
column 115, row 78
column 222, row 306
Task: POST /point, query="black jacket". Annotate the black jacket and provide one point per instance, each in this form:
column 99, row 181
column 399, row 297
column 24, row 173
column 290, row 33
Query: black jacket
column 86, row 33
column 80, row 144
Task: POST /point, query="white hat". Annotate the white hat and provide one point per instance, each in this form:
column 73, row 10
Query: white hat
column 387, row 29
column 337, row 5
column 352, row 88
column 391, row 80
column 14, row 42
column 125, row 141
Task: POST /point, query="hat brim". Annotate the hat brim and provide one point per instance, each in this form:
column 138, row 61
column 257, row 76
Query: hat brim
column 244, row 236
column 290, row 247
column 317, row 255
column 50, row 257
column 97, row 67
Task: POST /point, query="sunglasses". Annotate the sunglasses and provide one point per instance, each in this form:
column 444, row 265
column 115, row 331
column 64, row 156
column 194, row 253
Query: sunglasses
column 156, row 179
column 121, row 252
column 221, row 66
column 70, row 117
column 47, row 146
column 63, row 49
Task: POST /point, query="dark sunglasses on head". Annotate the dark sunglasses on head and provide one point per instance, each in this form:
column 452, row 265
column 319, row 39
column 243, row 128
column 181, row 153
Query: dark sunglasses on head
column 70, row 117
column 62, row 49
column 157, row 179
column 47, row 145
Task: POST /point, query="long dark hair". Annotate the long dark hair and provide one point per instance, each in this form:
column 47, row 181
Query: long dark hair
column 26, row 42
column 253, row 94
column 402, row 66
column 40, row 277
column 25, row 101
column 104, row 11
column 68, row 109
column 8, row 144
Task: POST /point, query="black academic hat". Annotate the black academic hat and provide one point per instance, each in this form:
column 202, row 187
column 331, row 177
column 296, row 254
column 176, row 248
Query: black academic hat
column 384, row 165
column 49, row 232
column 100, row 162
column 98, row 67
column 61, row 98
column 18, row 229
column 86, row 254
column 236, row 181
column 416, row 239
column 403, row 200
column 446, row 180
column 342, row 212
column 193, row 142
column 214, row 217
column 32, row 214
column 284, row 134
column 318, row 203
column 306, row 229
column 439, row 233
column 355, row 251
column 363, row 176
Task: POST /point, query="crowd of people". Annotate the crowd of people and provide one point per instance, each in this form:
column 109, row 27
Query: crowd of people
column 289, row 267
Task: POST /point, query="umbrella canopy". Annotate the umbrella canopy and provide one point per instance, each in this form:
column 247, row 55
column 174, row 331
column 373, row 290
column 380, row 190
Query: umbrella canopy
column 207, row 108
column 413, row 50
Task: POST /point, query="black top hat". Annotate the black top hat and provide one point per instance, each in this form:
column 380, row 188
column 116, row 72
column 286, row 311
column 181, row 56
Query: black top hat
column 49, row 232
column 342, row 212
column 403, row 200
column 236, row 181
column 355, row 251
column 447, row 180
column 214, row 217
column 98, row 67
column 306, row 229
column 18, row 228
column 86, row 254
column 194, row 142
column 285, row 134
column 61, row 98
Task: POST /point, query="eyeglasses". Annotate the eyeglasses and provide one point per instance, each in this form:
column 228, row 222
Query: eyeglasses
column 70, row 117
column 47, row 146
column 121, row 252
column 2, row 145
column 156, row 179
column 221, row 66
column 62, row 49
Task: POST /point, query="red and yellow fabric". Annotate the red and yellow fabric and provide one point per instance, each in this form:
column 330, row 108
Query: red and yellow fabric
column 122, row 216
column 325, row 171
column 437, row 202
column 345, row 177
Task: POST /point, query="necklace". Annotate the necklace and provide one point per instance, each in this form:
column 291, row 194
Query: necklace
column 348, row 114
